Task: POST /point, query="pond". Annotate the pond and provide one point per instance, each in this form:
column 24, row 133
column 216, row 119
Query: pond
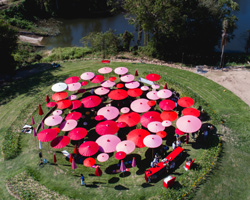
column 73, row 30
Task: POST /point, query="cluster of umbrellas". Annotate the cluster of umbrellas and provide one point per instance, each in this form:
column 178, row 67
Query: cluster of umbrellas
column 110, row 119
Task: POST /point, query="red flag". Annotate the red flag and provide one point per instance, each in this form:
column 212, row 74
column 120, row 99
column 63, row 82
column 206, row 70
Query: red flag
column 55, row 158
column 70, row 158
column 165, row 86
column 98, row 171
column 136, row 73
column 47, row 99
column 40, row 110
column 76, row 150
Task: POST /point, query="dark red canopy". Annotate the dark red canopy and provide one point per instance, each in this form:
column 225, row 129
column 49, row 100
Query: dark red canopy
column 75, row 104
column 47, row 135
column 60, row 142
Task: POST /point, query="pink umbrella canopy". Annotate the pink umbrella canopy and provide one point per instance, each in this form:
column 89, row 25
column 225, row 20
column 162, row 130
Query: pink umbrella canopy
column 118, row 94
column 57, row 112
column 137, row 136
column 169, row 115
column 47, row 135
column 121, row 70
column 59, row 87
column 77, row 133
column 166, row 123
column 89, row 162
column 153, row 77
column 144, row 88
column 179, row 132
column 120, row 155
column 72, row 97
column 191, row 111
column 107, row 143
column 63, row 104
column 102, row 157
column 164, row 93
column 101, row 91
column 108, row 84
column 125, row 110
column 155, row 86
column 122, row 167
column 131, row 119
column 152, row 141
column 60, row 142
column 155, row 127
column 105, row 70
column 51, row 104
column 68, row 125
column 188, row 124
column 53, row 120
column 185, row 101
column 74, row 86
column 109, row 112
column 126, row 146
column 88, row 148
column 72, row 79
column 91, row 101
column 59, row 96
column 127, row 78
column 132, row 85
column 107, row 127
column 73, row 115
column 140, row 105
column 87, row 75
column 167, row 105
column 75, row 104
column 152, row 95
column 97, row 79
column 150, row 116
column 135, row 92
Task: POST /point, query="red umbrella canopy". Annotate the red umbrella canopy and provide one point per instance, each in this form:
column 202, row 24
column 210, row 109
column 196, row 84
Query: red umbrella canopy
column 97, row 79
column 167, row 104
column 137, row 136
column 105, row 61
column 113, row 78
column 188, row 124
column 151, row 103
column 99, row 117
column 136, row 92
column 120, row 155
column 47, row 135
column 162, row 134
column 153, row 77
column 121, row 124
column 88, row 148
column 185, row 101
column 89, row 162
column 169, row 115
column 60, row 142
column 77, row 133
column 179, row 132
column 63, row 104
column 107, row 127
column 72, row 79
column 57, row 129
column 84, row 83
column 74, row 116
column 91, row 101
column 131, row 119
column 191, row 111
column 150, row 116
column 51, row 104
column 59, row 96
column 98, row 171
column 118, row 94
column 75, row 104
column 119, row 85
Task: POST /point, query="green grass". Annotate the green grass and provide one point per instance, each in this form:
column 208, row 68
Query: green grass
column 228, row 181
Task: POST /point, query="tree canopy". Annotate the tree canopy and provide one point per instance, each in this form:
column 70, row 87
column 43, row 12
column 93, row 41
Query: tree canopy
column 182, row 26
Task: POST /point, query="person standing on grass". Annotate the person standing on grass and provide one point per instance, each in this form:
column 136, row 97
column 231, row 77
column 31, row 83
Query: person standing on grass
column 82, row 180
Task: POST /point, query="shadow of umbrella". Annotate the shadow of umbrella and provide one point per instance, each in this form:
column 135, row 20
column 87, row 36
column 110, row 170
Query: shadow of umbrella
column 120, row 187
column 113, row 180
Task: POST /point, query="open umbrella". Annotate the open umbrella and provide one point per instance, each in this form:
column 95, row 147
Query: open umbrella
column 63, row 104
column 140, row 105
column 164, row 93
column 108, row 84
column 105, row 70
column 57, row 112
column 131, row 119
column 59, row 96
column 169, row 115
column 97, row 79
column 73, row 115
column 57, row 129
column 119, row 85
column 144, row 88
column 178, row 132
column 132, row 85
column 151, row 103
column 135, row 92
column 72, row 97
column 118, row 94
column 155, row 86
column 120, row 155
column 101, row 91
column 109, row 112
column 88, row 148
column 127, row 78
column 72, row 79
column 188, row 124
column 60, row 142
column 107, row 127
column 150, row 116
column 89, row 162
column 152, row 141
column 107, row 143
column 59, row 87
column 167, row 104
column 152, row 95
column 51, row 104
column 68, row 125
column 99, row 117
column 98, row 171
column 75, row 150
column 75, row 104
column 125, row 110
column 46, row 135
column 102, row 157
column 155, row 127
column 91, row 101
column 137, row 136
column 74, row 86
column 162, row 134
column 126, row 146
column 84, row 83
column 122, row 124
column 166, row 123
column 153, row 77
column 53, row 120
column 77, row 133
column 121, row 70
column 105, row 61
column 87, row 75
column 185, row 102
column 191, row 111
column 113, row 78
column 40, row 110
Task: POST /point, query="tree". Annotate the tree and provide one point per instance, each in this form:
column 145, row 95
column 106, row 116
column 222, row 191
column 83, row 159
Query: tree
column 182, row 26
column 8, row 41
